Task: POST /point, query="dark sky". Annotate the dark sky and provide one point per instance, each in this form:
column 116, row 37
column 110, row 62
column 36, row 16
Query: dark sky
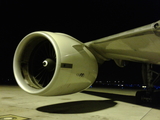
column 85, row 20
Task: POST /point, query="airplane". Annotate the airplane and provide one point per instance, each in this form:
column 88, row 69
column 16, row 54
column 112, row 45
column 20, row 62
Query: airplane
column 50, row 63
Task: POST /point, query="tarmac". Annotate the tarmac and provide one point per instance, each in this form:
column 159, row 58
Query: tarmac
column 91, row 104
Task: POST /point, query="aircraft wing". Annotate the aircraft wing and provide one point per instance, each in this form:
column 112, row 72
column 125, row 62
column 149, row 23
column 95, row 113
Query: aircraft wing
column 140, row 45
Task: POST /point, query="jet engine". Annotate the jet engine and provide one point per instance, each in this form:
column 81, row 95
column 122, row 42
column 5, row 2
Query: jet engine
column 47, row 63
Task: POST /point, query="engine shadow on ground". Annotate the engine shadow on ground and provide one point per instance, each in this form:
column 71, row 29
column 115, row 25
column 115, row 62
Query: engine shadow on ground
column 78, row 106
column 123, row 98
column 91, row 105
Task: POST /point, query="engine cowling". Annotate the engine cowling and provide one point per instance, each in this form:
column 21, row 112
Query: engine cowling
column 47, row 63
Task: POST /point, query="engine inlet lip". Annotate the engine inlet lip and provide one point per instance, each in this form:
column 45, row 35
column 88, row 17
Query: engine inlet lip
column 18, row 57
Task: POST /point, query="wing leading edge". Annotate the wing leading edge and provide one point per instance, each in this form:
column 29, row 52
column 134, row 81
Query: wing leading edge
column 139, row 45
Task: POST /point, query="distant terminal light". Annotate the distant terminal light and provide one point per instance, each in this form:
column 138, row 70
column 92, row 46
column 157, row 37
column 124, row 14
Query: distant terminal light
column 144, row 87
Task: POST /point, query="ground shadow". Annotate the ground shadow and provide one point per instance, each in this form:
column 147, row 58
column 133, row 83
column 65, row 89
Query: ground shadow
column 123, row 98
column 114, row 97
column 78, row 106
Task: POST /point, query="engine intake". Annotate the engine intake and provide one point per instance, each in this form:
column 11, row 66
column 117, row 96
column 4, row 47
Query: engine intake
column 47, row 63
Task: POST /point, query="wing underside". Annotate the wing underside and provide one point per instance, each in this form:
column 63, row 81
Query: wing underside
column 139, row 45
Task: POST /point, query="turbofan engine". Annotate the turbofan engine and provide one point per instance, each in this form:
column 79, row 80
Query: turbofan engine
column 47, row 63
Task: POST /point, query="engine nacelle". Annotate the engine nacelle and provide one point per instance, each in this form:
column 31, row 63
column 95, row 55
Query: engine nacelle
column 47, row 63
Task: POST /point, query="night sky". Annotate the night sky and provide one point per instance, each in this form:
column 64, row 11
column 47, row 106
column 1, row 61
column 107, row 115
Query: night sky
column 85, row 20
